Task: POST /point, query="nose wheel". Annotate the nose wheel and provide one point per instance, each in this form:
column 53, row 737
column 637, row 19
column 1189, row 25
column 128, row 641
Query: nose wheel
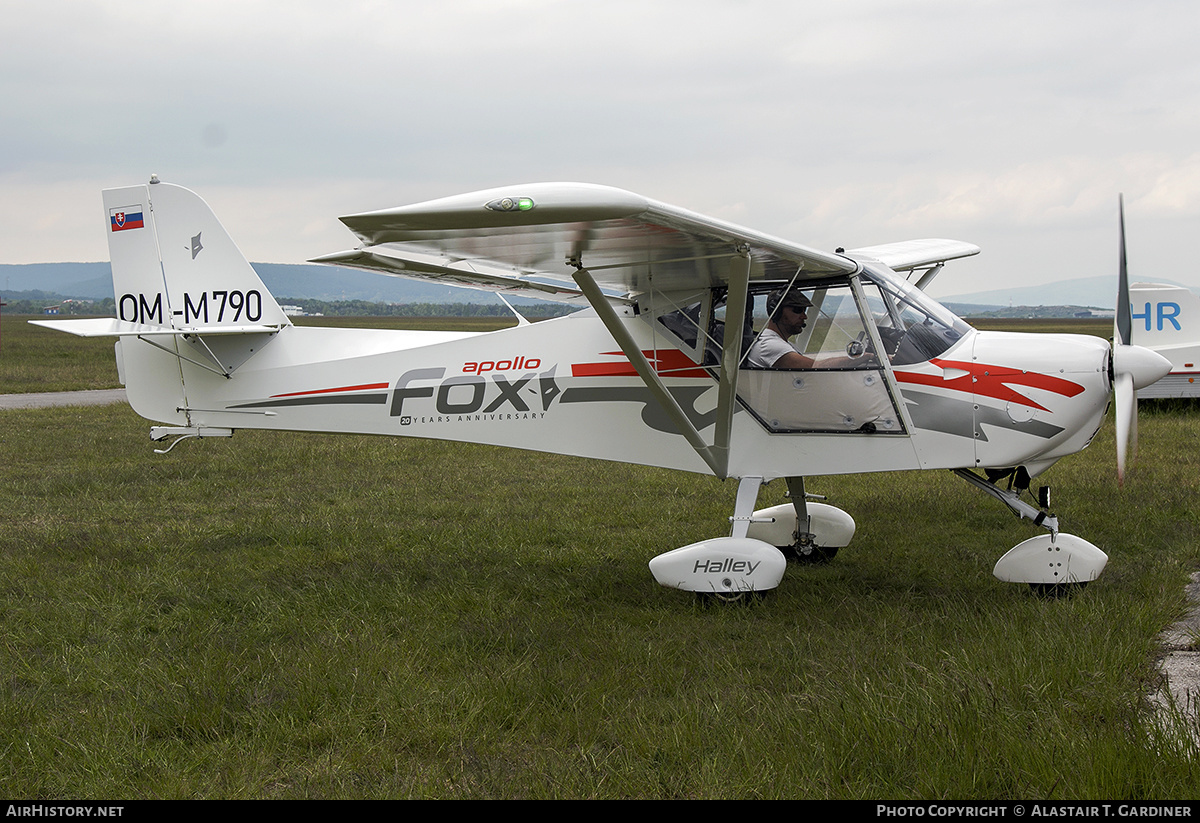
column 1057, row 591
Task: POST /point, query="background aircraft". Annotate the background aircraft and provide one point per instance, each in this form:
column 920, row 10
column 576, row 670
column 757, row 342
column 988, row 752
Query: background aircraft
column 652, row 369
column 1166, row 318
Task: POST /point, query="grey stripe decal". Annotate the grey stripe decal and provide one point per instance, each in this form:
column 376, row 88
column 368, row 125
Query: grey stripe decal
column 349, row 400
column 959, row 417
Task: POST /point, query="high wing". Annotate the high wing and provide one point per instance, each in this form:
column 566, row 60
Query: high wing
column 924, row 256
column 529, row 239
column 584, row 243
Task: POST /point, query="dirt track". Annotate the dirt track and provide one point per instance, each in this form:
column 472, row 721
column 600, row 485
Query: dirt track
column 98, row 397
column 1181, row 659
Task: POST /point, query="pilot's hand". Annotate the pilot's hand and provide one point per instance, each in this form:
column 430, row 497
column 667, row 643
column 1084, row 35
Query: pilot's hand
column 856, row 348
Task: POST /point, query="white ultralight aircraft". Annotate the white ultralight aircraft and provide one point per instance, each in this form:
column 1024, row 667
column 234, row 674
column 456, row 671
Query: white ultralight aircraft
column 653, row 369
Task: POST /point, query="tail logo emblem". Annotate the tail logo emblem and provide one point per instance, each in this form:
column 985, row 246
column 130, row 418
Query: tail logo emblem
column 196, row 247
column 125, row 218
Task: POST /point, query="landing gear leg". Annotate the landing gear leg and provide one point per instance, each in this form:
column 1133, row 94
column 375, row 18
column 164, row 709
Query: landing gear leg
column 743, row 516
column 1020, row 508
column 743, row 509
column 804, row 548
column 803, row 531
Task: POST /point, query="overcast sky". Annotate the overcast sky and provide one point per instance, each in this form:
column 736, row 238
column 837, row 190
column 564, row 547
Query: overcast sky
column 1013, row 125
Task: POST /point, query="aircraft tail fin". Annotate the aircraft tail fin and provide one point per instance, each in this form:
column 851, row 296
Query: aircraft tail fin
column 174, row 265
column 185, row 295
column 1165, row 318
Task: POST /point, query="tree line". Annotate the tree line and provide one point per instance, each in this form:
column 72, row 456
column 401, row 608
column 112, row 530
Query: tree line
column 38, row 302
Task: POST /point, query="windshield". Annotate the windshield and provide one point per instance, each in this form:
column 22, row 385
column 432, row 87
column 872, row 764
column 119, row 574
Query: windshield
column 914, row 326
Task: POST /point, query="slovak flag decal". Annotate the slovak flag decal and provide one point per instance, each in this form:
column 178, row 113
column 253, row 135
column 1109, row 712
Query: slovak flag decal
column 126, row 217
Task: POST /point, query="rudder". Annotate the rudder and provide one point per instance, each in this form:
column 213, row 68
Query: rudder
column 173, row 263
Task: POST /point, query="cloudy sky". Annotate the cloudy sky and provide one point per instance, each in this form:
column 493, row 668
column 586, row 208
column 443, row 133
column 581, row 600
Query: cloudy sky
column 1013, row 125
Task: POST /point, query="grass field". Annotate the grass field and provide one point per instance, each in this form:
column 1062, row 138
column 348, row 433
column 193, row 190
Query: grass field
column 286, row 616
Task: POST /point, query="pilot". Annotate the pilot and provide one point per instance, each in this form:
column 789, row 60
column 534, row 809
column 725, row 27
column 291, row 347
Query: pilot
column 789, row 316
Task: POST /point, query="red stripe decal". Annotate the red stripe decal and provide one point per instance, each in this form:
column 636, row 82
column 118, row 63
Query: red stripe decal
column 992, row 381
column 363, row 387
column 666, row 362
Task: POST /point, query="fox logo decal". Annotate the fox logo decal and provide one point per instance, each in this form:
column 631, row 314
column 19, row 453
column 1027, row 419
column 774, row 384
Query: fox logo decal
column 473, row 393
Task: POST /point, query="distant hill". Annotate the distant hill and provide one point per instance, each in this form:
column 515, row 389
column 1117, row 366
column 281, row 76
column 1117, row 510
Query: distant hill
column 974, row 310
column 1095, row 292
column 92, row 281
column 304, row 281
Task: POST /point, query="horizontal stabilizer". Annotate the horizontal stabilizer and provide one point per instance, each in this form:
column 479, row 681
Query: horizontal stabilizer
column 111, row 327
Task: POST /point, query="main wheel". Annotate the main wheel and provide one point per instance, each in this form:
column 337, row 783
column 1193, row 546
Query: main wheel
column 808, row 554
column 729, row 598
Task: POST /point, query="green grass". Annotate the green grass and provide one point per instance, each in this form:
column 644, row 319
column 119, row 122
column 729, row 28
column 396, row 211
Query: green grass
column 287, row 616
column 34, row 359
column 1041, row 325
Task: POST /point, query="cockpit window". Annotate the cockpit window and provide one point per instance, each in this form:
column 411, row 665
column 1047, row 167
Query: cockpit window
column 684, row 323
column 914, row 327
column 823, row 324
column 826, row 369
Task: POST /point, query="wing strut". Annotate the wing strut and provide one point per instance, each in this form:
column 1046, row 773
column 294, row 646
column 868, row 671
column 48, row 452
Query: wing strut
column 731, row 354
column 716, row 455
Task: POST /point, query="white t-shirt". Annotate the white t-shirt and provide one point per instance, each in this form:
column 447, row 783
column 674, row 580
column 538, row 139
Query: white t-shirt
column 767, row 348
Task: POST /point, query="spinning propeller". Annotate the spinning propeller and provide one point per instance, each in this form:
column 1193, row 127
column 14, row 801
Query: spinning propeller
column 1131, row 367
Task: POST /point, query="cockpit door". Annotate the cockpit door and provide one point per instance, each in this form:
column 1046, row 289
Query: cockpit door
column 847, row 389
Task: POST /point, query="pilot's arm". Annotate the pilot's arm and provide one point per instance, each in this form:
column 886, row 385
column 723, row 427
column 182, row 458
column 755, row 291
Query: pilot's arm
column 793, row 360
